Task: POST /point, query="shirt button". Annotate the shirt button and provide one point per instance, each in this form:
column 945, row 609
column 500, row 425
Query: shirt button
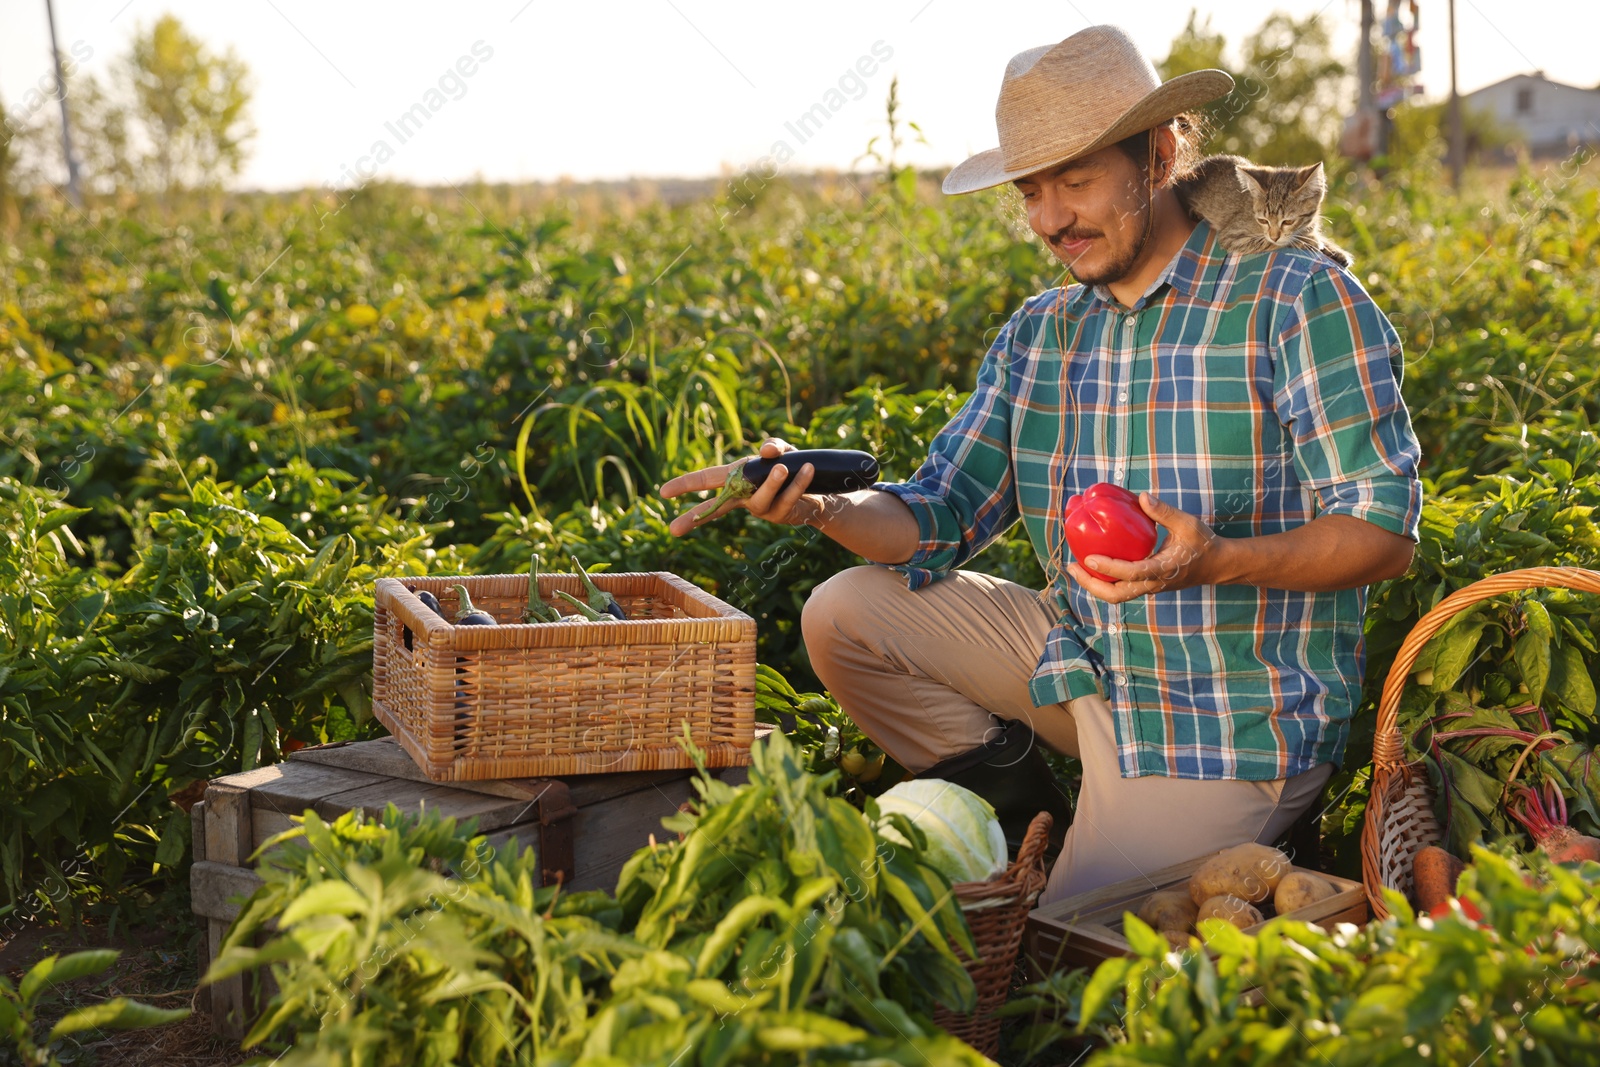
column 1118, row 474
column 1111, row 629
column 1122, row 679
column 1123, row 396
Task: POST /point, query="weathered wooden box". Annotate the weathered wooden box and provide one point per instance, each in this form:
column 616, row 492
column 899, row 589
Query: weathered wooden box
column 1083, row 930
column 583, row 828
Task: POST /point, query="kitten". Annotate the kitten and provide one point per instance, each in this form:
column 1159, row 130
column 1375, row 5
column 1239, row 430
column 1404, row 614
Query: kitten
column 1257, row 209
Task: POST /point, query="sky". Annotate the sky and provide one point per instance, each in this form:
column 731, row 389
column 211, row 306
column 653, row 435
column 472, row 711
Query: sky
column 535, row 90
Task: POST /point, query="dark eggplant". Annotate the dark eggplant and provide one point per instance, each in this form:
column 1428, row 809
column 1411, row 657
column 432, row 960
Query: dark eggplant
column 585, row 610
column 430, row 602
column 834, row 470
column 537, row 610
column 469, row 615
column 598, row 598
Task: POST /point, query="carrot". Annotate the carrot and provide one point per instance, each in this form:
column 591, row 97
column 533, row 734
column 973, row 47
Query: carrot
column 1433, row 873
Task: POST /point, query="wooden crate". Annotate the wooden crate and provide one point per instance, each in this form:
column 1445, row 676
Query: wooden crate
column 519, row 699
column 1083, row 930
column 583, row 829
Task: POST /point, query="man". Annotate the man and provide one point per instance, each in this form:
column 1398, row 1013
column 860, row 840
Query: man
column 1253, row 401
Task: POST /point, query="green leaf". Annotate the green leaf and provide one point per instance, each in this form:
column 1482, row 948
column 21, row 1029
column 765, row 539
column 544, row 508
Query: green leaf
column 325, row 898
column 59, row 518
column 174, row 839
column 1142, row 939
column 58, row 970
column 798, row 1031
column 1456, row 645
column 719, row 947
column 1533, row 660
column 1580, row 634
column 118, row 1014
column 1472, row 784
column 1102, row 986
column 1538, row 618
column 1571, row 682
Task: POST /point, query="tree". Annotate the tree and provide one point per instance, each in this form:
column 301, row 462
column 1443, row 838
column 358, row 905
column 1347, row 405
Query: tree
column 172, row 115
column 191, row 106
column 1290, row 90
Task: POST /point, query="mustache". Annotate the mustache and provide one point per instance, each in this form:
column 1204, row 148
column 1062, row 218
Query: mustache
column 1073, row 233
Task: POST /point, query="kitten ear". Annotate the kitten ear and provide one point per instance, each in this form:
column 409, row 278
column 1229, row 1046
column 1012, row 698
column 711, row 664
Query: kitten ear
column 1308, row 176
column 1253, row 180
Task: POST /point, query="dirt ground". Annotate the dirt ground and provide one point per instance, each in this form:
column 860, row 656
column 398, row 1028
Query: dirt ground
column 158, row 965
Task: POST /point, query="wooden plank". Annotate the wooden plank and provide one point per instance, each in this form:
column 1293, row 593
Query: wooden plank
column 231, row 1014
column 197, row 830
column 264, row 823
column 227, row 822
column 213, row 887
column 591, row 789
column 606, row 834
column 491, row 812
column 383, row 756
column 298, row 786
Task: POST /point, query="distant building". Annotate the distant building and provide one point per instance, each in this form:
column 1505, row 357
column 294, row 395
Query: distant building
column 1548, row 117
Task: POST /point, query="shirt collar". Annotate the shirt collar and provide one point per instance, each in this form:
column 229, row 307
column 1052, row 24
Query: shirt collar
column 1193, row 271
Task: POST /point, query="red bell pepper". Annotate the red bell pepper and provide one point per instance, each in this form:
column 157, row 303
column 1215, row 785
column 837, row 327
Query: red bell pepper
column 1106, row 520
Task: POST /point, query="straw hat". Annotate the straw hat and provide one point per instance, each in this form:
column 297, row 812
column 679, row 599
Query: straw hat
column 1062, row 101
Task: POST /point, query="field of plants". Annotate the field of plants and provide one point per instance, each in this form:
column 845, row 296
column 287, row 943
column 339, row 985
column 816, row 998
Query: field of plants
column 217, row 430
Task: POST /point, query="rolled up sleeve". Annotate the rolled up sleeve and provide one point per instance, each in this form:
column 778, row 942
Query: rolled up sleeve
column 1337, row 389
column 963, row 495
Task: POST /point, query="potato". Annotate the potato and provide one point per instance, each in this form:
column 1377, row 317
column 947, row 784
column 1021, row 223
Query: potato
column 1250, row 872
column 1240, row 913
column 1298, row 890
column 1169, row 909
column 1178, row 939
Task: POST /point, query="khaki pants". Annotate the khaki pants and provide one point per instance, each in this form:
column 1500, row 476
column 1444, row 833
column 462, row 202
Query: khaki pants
column 923, row 673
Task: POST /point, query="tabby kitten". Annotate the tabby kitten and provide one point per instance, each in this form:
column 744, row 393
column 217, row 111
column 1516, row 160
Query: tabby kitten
column 1257, row 209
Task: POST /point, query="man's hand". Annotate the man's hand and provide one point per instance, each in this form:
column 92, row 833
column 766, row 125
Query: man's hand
column 1328, row 553
column 773, row 500
column 1193, row 555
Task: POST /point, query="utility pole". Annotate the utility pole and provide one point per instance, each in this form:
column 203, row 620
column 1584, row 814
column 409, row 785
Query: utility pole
column 1457, row 144
column 74, row 189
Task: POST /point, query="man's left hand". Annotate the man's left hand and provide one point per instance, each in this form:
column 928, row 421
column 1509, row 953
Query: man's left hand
column 1193, row 555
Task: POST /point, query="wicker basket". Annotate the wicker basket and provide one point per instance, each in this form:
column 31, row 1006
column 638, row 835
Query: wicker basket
column 1399, row 818
column 997, row 932
column 523, row 700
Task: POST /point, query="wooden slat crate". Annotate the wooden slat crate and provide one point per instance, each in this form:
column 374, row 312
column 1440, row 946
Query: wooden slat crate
column 1083, row 930
column 583, row 828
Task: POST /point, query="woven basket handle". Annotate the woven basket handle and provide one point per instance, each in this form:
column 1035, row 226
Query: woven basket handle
column 1031, row 852
column 1388, row 748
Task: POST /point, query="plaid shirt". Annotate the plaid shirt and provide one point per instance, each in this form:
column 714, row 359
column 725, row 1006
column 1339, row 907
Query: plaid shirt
column 1253, row 391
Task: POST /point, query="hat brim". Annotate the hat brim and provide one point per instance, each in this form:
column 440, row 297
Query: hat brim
column 1168, row 100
